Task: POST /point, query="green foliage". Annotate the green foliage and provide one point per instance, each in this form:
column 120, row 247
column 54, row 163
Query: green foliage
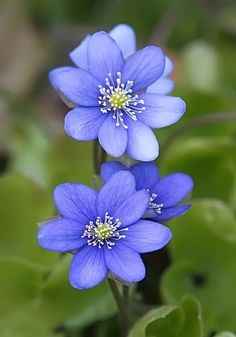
column 23, row 324
column 171, row 321
column 23, row 205
column 28, row 146
column 60, row 302
column 210, row 161
column 43, row 302
column 69, row 161
column 225, row 334
column 203, row 253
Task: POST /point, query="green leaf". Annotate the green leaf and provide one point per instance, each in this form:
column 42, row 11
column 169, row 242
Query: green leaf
column 193, row 319
column 47, row 302
column 211, row 163
column 170, row 326
column 139, row 329
column 75, row 308
column 23, row 324
column 28, row 148
column 20, row 283
column 171, row 321
column 23, row 205
column 203, row 250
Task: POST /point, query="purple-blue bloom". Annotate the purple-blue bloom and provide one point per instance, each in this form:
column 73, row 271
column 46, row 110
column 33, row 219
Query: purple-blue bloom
column 105, row 229
column 165, row 193
column 109, row 91
column 125, row 37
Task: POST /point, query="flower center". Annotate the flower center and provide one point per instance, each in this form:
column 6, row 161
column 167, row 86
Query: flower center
column 117, row 97
column 100, row 233
column 103, row 231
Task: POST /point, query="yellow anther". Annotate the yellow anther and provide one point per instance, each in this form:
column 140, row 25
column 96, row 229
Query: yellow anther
column 118, row 99
column 103, row 231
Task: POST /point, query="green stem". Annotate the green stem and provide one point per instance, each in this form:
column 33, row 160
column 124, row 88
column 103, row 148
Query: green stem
column 122, row 307
column 126, row 297
column 126, row 292
column 99, row 157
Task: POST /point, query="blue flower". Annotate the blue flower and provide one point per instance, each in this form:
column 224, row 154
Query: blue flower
column 112, row 105
column 165, row 193
column 125, row 37
column 105, row 230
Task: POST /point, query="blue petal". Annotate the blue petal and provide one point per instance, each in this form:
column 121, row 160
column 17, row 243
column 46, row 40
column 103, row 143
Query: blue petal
column 168, row 213
column 173, row 188
column 163, row 86
column 147, row 236
column 113, row 138
column 87, row 268
column 146, row 175
column 104, row 56
column 125, row 263
column 133, row 208
column 79, row 55
column 109, row 168
column 124, row 36
column 161, row 111
column 142, row 143
column 144, row 67
column 84, row 123
column 117, row 190
column 61, row 235
column 75, row 84
column 55, row 74
column 76, row 201
column 168, row 67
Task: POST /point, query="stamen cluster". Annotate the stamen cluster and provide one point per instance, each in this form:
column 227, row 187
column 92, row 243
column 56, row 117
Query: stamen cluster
column 118, row 97
column 103, row 232
column 157, row 208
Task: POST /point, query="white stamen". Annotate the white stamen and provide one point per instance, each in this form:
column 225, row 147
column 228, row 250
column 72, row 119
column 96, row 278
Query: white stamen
column 104, row 232
column 157, row 208
column 118, row 98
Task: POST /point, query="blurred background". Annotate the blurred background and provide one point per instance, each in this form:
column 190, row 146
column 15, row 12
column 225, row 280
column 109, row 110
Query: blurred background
column 36, row 154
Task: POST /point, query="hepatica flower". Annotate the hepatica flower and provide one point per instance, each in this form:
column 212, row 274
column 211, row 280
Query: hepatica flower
column 105, row 230
column 109, row 90
column 165, row 193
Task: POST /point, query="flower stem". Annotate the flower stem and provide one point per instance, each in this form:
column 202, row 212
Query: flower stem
column 99, row 157
column 127, row 303
column 126, row 293
column 122, row 307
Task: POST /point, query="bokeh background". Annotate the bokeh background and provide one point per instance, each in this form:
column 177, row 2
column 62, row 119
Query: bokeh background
column 35, row 155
